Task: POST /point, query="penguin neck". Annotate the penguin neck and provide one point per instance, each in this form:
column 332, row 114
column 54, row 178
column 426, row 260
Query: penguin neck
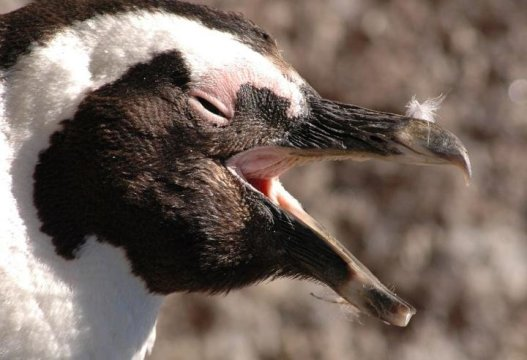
column 90, row 307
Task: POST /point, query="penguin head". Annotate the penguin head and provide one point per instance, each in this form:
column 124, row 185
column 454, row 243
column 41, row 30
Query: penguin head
column 175, row 150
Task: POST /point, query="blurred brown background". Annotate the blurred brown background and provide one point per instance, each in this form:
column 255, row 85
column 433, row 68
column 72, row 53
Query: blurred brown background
column 458, row 253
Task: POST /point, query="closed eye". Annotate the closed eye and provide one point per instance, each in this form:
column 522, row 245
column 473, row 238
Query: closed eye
column 210, row 108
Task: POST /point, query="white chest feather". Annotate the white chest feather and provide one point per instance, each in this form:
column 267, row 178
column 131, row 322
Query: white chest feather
column 89, row 308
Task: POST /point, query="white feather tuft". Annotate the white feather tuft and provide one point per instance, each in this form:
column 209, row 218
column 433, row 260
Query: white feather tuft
column 426, row 110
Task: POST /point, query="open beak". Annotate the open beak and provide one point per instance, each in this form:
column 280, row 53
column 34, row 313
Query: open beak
column 339, row 131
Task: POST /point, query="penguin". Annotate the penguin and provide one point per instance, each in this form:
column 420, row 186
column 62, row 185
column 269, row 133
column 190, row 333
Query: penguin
column 141, row 148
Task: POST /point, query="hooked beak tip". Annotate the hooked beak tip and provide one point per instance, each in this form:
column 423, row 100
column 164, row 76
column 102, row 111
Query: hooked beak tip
column 426, row 143
column 462, row 162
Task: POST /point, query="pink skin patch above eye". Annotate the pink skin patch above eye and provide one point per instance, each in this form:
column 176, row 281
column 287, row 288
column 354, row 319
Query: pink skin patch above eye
column 220, row 87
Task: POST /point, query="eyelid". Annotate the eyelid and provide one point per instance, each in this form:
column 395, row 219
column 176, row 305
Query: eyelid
column 227, row 111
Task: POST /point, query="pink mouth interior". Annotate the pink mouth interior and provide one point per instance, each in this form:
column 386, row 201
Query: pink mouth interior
column 273, row 189
column 261, row 168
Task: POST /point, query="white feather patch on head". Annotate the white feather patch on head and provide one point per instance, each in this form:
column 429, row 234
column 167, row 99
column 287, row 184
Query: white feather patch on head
column 426, row 110
column 46, row 85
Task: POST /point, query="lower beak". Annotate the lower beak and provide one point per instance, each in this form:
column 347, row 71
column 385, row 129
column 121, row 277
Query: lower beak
column 348, row 276
column 334, row 130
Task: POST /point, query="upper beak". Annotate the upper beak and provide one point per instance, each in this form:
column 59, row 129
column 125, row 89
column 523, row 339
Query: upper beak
column 334, row 130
